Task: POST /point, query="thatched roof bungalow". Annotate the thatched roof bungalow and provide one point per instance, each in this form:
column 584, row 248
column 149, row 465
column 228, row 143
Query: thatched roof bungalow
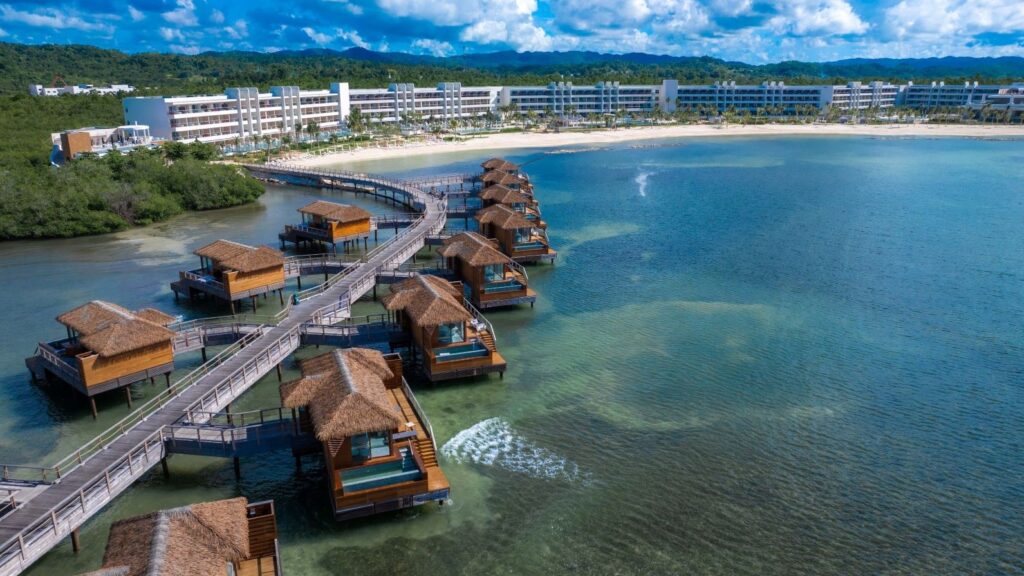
column 521, row 239
column 376, row 444
column 499, row 164
column 513, row 181
column 329, row 222
column 453, row 340
column 107, row 347
column 204, row 539
column 233, row 271
column 493, row 278
column 514, row 199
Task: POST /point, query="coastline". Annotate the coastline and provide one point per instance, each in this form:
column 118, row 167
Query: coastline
column 517, row 140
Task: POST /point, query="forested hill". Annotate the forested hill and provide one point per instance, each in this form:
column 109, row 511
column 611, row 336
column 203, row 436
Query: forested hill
column 21, row 65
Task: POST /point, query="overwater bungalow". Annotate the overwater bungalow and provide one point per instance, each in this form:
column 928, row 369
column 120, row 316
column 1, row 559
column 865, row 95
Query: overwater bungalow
column 231, row 271
column 525, row 204
column 513, row 181
column 490, row 279
column 107, row 347
column 501, row 165
column 450, row 338
column 220, row 538
column 377, row 443
column 330, row 223
column 521, row 239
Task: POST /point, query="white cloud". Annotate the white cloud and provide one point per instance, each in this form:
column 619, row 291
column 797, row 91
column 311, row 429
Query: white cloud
column 459, row 12
column 51, row 18
column 352, row 8
column 817, row 18
column 432, row 47
column 183, row 15
column 523, row 36
column 217, row 17
column 185, row 49
column 3, row 32
column 323, row 38
column 677, row 15
column 953, row 18
column 136, row 14
column 238, row 30
column 171, row 34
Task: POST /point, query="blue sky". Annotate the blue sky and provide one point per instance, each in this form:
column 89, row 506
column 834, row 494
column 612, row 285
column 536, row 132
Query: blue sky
column 746, row 30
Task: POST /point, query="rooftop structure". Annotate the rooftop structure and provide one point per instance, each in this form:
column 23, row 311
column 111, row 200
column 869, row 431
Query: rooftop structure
column 40, row 90
column 232, row 271
column 379, row 450
column 452, row 340
column 107, row 347
column 220, row 538
column 70, row 144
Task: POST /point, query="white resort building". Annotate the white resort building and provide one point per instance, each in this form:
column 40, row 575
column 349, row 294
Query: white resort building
column 40, row 90
column 245, row 114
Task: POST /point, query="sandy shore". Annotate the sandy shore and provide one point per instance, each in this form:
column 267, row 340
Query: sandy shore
column 606, row 137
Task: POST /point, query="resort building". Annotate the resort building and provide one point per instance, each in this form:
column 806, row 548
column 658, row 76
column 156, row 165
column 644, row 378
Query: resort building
column 247, row 113
column 220, row 538
column 516, row 182
column 40, row 90
column 501, row 165
column 602, row 98
column 377, row 443
column 490, row 279
column 722, row 96
column 1007, row 100
column 107, row 347
column 450, row 339
column 942, row 95
column 70, row 144
column 330, row 223
column 521, row 239
column 231, row 271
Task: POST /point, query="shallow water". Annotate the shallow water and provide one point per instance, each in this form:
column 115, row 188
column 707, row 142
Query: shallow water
column 753, row 356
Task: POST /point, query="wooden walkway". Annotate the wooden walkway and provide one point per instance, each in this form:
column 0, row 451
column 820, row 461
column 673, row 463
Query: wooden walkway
column 108, row 465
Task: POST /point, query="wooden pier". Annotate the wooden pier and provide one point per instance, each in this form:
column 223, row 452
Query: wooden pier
column 82, row 484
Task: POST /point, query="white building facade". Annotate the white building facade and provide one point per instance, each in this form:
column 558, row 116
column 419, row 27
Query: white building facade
column 602, row 98
column 942, row 95
column 40, row 90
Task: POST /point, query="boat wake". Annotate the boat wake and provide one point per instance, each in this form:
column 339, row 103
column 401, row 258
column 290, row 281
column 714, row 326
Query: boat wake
column 641, row 183
column 493, row 442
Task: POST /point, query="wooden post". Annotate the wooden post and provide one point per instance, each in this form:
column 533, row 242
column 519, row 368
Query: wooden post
column 280, row 296
column 128, row 395
column 375, row 291
column 298, row 279
column 255, row 300
column 204, row 353
column 92, row 404
column 163, row 464
column 232, row 304
column 238, row 468
column 75, row 544
column 279, row 376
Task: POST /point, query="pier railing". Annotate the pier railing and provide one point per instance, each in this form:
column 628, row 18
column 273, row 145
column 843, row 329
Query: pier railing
column 419, row 412
column 479, row 317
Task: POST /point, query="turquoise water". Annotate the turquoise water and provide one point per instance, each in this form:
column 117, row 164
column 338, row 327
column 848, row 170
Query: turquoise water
column 753, row 356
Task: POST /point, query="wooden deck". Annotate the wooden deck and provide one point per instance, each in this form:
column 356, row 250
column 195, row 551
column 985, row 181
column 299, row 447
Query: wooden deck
column 125, row 453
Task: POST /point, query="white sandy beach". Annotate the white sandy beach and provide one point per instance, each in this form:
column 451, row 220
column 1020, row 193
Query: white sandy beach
column 605, row 137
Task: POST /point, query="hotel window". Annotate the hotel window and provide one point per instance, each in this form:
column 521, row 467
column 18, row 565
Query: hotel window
column 494, row 273
column 371, row 445
column 451, row 333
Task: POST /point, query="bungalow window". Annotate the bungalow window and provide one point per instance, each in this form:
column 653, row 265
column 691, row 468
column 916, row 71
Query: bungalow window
column 370, row 445
column 494, row 273
column 451, row 333
column 519, row 207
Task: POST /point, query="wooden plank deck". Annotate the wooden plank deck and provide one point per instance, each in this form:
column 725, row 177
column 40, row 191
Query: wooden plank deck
column 27, row 533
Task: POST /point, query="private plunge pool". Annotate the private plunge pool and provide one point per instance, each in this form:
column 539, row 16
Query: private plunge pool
column 502, row 286
column 384, row 474
column 474, row 349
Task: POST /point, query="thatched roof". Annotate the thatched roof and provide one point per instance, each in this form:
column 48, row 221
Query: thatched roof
column 337, row 212
column 504, row 195
column 499, row 164
column 109, row 329
column 234, row 256
column 428, row 301
column 503, row 178
column 196, row 540
column 345, row 393
column 503, row 217
column 473, row 249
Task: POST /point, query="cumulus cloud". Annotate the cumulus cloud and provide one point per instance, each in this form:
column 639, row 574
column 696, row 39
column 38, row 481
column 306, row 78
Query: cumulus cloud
column 238, row 30
column 818, row 18
column 432, row 47
column 948, row 18
column 135, row 14
column 217, row 17
column 459, row 12
column 59, row 19
column 183, row 15
column 171, row 34
column 325, row 38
